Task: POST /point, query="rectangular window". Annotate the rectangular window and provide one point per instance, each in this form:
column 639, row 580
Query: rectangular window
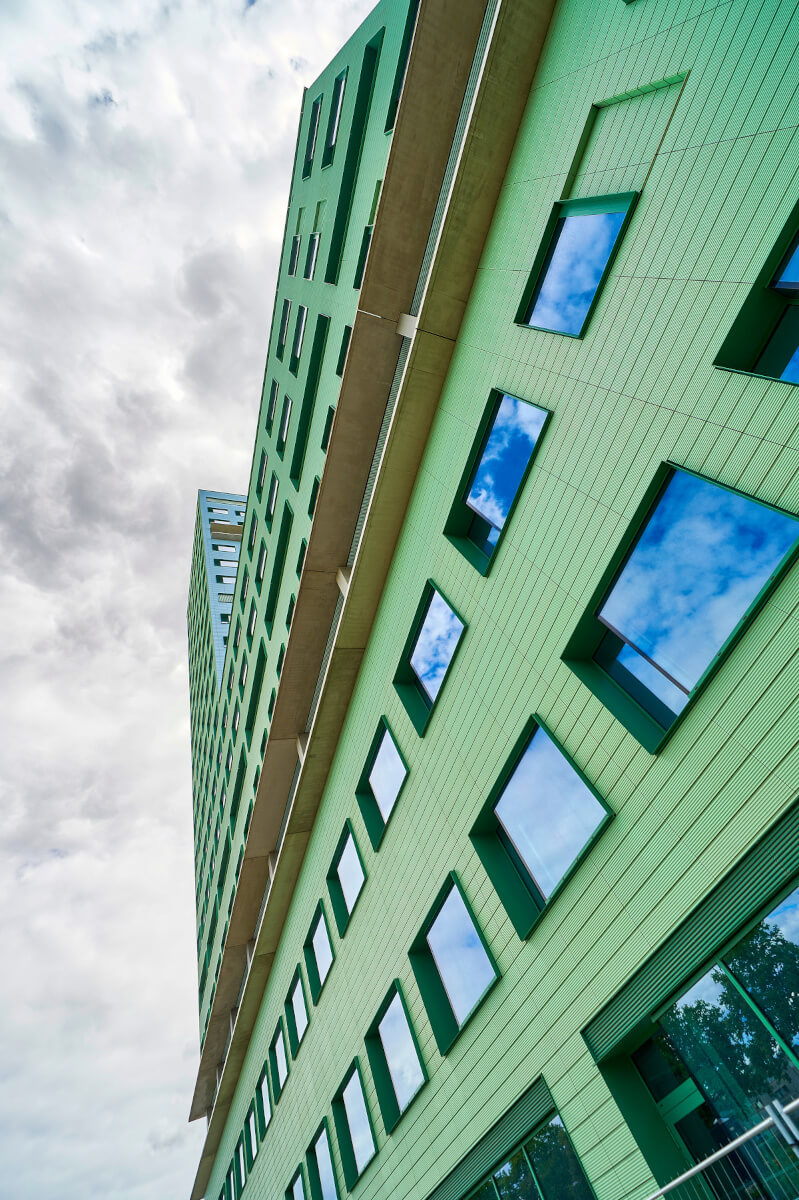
column 394, row 1058
column 259, row 487
column 452, row 964
column 580, row 242
column 342, row 354
column 241, row 1164
column 296, row 1013
column 501, row 458
column 285, row 419
column 319, row 1164
column 314, row 496
column 252, row 619
column 263, row 1102
column 353, row 1127
column 272, row 406
column 299, row 334
column 546, row 1168
column 251, row 1132
column 230, row 1182
column 310, row 258
column 334, row 119
column 243, row 672
column 331, row 412
column 381, row 782
column 284, row 329
column 278, row 1063
column 318, row 953
column 363, row 254
column 780, row 358
column 540, row 820
column 345, row 879
column 244, row 586
column 701, row 562
column 261, row 564
column 271, row 502
column 294, row 254
column 435, row 636
column 296, row 1189
column 253, row 532
column 310, row 145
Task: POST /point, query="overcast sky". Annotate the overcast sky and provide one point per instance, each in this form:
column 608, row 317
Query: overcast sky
column 145, row 151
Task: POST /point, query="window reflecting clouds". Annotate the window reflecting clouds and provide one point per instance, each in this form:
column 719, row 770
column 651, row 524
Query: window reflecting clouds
column 702, row 559
column 323, row 952
column 279, row 1049
column 324, row 1165
column 298, row 1188
column 299, row 1009
column 363, row 1145
column 400, row 1051
column 438, row 638
column 350, row 873
column 508, row 448
column 581, row 246
column 460, row 956
column 547, row 812
column 387, row 774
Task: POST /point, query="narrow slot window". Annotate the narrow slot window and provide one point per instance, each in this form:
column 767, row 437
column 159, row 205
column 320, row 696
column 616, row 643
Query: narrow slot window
column 272, row 406
column 295, row 254
column 283, row 332
column 271, row 503
column 313, row 129
column 311, row 257
column 321, row 1175
column 334, row 120
column 299, row 335
column 285, row 418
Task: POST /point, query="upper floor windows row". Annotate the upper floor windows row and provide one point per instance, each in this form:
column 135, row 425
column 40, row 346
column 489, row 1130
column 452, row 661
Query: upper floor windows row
column 333, row 126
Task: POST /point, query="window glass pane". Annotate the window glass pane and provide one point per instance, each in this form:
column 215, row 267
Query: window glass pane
column 321, row 948
column 460, row 956
column 510, row 443
column 324, row 1165
column 280, row 1058
column 579, row 252
column 557, row 1168
column 485, row 1192
column 298, row 1188
column 357, row 1118
column 514, row 1179
column 401, row 1057
column 652, row 679
column 788, row 276
column 766, row 962
column 242, row 1163
column 387, row 774
column 252, row 1134
column 781, row 356
column 547, row 812
column 350, row 873
column 703, row 557
column 435, row 645
column 299, row 1010
column 266, row 1104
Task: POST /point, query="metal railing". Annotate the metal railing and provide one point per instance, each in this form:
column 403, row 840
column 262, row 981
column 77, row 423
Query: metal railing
column 761, row 1164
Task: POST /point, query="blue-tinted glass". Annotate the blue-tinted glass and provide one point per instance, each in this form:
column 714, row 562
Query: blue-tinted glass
column 703, row 557
column 435, row 645
column 299, row 1010
column 324, row 1165
column 460, row 956
column 363, row 1145
column 557, row 1168
column 321, row 948
column 581, row 246
column 766, row 962
column 514, row 1179
column 298, row 1188
column 509, row 445
column 280, row 1058
column 350, row 873
column 547, row 812
column 387, row 774
column 403, row 1061
column 780, row 357
column 788, row 276
column 653, row 680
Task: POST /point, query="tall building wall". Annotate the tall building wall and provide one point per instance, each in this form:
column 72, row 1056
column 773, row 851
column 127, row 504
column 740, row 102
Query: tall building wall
column 693, row 107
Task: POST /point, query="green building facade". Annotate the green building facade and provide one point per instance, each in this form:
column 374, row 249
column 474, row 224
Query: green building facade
column 498, row 848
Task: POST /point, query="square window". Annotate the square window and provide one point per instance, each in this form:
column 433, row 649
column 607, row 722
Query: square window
column 345, row 879
column 394, row 1058
column 381, row 782
column 284, row 329
column 452, row 964
column 427, row 656
column 278, row 1062
column 506, row 443
column 310, row 258
column 318, row 953
column 283, row 432
column 296, row 1013
column 580, row 242
column 296, row 1189
column 263, row 1102
column 319, row 1164
column 295, row 254
column 356, row 1140
column 538, row 824
column 697, row 563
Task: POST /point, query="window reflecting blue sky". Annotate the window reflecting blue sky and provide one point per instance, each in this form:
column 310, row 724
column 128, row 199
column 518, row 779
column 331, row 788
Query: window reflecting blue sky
column 654, row 680
column 403, row 1061
column 435, row 645
column 358, row 1120
column 510, row 443
column 280, row 1057
column 350, row 873
column 788, row 277
column 324, row 1165
column 263, row 1088
column 297, row 1188
column 581, row 246
column 780, row 357
column 299, row 1009
column 387, row 774
column 323, row 952
column 460, row 956
column 547, row 812
column 702, row 559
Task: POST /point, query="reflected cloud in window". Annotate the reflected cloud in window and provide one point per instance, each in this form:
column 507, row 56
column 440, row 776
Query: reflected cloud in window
column 400, row 1051
column 581, row 247
column 506, row 454
column 387, row 774
column 321, row 948
column 460, row 956
column 350, row 873
column 324, row 1165
column 363, row 1146
column 437, row 641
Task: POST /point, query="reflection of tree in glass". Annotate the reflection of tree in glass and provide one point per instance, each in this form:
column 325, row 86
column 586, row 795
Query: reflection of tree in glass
column 767, row 964
column 557, row 1167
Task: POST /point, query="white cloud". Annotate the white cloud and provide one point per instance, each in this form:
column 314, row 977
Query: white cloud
column 145, row 151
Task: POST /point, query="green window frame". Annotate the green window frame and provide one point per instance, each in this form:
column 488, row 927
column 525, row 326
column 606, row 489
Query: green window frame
column 292, row 1191
column 312, row 1165
column 285, row 425
column 342, row 914
column 295, row 1036
column 240, row 1159
column 529, row 1172
column 416, row 702
column 294, row 254
column 313, row 133
column 334, row 118
column 618, row 202
column 352, row 1171
column 251, row 1140
column 525, row 902
column 297, row 341
column 463, row 523
column 279, row 1035
column 378, row 1061
column 374, row 820
column 638, row 711
column 274, row 391
column 315, row 982
column 440, row 1012
column 283, row 330
column 263, row 1101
